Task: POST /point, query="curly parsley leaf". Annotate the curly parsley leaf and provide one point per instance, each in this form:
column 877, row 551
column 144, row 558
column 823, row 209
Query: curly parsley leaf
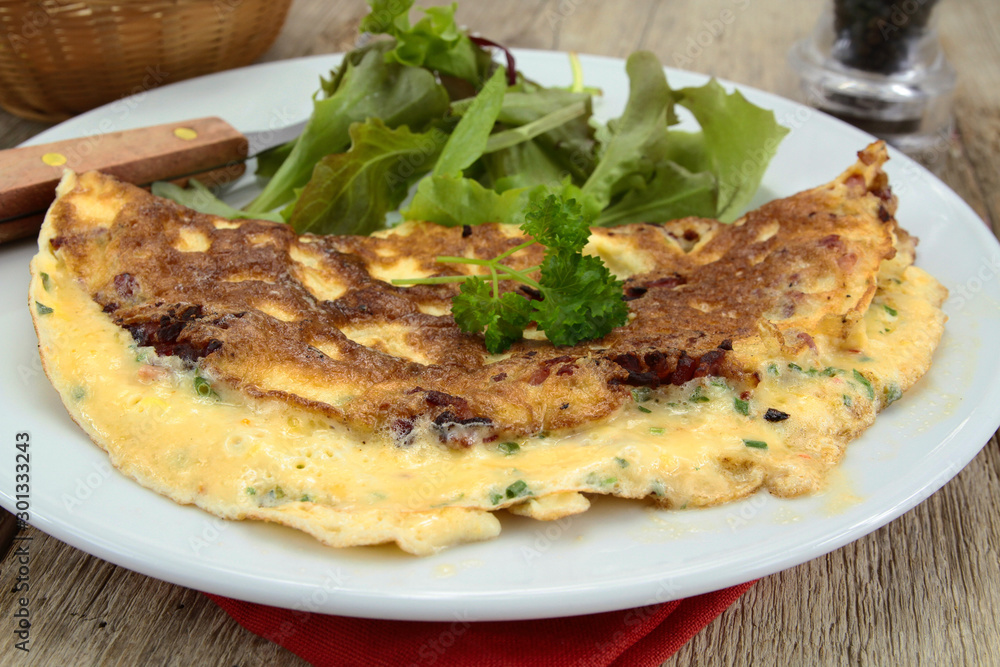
column 503, row 317
column 582, row 300
column 557, row 224
column 472, row 307
column 512, row 315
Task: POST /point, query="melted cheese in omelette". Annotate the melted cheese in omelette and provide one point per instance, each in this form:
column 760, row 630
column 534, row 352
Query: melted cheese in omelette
column 705, row 441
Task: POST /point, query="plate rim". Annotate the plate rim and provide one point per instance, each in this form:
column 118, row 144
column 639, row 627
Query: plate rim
column 372, row 604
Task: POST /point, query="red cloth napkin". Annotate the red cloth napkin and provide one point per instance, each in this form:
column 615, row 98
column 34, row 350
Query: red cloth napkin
column 631, row 638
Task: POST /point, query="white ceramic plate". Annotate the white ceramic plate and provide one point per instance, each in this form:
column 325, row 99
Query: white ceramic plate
column 617, row 555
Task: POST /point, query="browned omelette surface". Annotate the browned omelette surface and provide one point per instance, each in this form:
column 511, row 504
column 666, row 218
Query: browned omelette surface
column 313, row 323
column 313, row 320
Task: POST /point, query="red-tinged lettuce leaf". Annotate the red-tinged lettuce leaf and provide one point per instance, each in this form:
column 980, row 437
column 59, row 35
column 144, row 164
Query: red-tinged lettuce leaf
column 350, row 193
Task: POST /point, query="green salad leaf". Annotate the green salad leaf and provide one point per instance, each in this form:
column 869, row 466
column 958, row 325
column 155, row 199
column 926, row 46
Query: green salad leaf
column 424, row 111
column 270, row 161
column 454, row 201
column 350, row 193
column 672, row 192
column 435, row 41
column 367, row 87
column 523, row 165
column 550, row 122
column 198, row 197
column 640, row 126
column 468, row 141
column 571, row 145
column 737, row 141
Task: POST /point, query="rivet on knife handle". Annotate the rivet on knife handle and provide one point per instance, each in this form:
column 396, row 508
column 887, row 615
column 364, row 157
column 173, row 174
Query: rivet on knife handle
column 28, row 175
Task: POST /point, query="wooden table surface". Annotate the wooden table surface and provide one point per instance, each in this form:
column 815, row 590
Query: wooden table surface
column 924, row 589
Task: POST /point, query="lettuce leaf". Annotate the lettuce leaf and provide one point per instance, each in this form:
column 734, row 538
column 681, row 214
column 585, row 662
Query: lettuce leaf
column 468, row 141
column 571, row 145
column 435, row 41
column 446, row 196
column 672, row 193
column 365, row 87
column 737, row 141
column 642, row 124
column 523, row 165
column 350, row 193
column 454, row 201
column 198, row 197
column 649, row 172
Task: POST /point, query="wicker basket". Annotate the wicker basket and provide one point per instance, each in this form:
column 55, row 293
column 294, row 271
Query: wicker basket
column 59, row 57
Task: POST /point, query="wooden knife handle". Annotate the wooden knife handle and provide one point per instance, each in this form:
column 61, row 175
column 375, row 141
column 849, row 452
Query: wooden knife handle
column 28, row 175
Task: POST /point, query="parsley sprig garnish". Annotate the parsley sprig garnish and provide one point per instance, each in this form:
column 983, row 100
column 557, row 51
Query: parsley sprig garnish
column 581, row 300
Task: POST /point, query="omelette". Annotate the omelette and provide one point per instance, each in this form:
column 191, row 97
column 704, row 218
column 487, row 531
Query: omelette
column 263, row 375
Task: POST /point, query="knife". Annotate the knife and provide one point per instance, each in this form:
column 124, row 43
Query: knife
column 209, row 148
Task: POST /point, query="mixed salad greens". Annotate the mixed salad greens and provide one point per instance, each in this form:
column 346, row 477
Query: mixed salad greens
column 423, row 110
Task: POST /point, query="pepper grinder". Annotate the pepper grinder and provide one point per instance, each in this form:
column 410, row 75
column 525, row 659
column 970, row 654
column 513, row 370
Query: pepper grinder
column 878, row 65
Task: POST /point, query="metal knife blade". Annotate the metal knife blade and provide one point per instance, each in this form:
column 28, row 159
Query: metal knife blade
column 263, row 140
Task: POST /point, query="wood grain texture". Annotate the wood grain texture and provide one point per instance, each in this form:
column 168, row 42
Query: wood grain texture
column 141, row 156
column 923, row 590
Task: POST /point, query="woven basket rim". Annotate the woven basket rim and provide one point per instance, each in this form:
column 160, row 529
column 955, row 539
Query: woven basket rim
column 40, row 86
